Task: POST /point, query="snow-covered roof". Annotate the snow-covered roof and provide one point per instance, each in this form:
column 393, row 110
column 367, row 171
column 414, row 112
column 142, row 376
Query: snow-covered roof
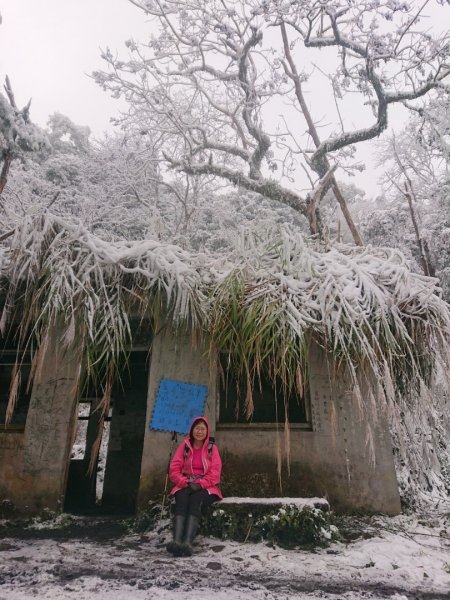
column 264, row 301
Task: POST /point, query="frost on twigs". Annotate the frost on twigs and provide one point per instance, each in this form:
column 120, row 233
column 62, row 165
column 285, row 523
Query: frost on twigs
column 16, row 132
column 208, row 84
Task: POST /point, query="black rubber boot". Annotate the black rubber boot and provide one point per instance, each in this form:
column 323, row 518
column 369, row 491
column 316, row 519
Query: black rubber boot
column 174, row 547
column 191, row 530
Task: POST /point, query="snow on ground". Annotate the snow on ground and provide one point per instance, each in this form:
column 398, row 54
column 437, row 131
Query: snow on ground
column 406, row 559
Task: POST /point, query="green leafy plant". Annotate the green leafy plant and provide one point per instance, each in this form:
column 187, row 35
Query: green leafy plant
column 49, row 519
column 7, row 509
column 287, row 526
column 147, row 520
column 291, row 527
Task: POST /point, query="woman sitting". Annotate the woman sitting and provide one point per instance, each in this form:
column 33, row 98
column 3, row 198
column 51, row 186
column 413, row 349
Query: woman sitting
column 195, row 470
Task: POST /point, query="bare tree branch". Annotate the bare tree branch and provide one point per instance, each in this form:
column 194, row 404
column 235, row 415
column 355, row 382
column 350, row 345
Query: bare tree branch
column 250, row 106
column 323, row 163
column 266, row 187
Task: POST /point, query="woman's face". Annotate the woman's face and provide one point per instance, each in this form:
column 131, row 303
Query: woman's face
column 200, row 431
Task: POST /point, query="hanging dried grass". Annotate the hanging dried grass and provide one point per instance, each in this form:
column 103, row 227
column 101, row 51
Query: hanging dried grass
column 13, row 392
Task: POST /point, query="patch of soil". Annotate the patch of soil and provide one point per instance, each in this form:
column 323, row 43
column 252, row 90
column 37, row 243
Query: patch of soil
column 87, row 528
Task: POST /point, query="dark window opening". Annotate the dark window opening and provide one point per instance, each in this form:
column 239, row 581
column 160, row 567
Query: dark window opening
column 141, row 333
column 268, row 401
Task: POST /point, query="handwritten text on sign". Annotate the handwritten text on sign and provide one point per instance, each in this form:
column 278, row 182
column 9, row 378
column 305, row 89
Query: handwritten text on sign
column 176, row 405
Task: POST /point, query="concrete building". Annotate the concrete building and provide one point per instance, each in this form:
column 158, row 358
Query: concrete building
column 329, row 456
column 351, row 332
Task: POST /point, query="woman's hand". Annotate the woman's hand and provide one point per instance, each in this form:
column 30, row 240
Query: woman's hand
column 194, row 487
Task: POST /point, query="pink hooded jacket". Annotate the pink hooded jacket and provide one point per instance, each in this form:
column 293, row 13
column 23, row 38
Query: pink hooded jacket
column 181, row 465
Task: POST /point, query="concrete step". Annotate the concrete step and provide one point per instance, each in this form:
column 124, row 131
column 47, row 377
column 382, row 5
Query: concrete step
column 271, row 503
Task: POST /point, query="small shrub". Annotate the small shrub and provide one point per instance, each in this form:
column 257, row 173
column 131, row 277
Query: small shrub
column 147, row 520
column 45, row 516
column 290, row 527
column 219, row 523
column 48, row 519
column 63, row 521
column 7, row 509
column 287, row 526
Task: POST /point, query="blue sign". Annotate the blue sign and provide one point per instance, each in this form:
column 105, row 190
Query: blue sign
column 177, row 404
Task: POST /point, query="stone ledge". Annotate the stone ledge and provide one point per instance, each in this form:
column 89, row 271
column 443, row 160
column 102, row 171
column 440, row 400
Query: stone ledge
column 300, row 503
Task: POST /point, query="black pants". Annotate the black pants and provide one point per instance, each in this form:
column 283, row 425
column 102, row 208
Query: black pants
column 192, row 503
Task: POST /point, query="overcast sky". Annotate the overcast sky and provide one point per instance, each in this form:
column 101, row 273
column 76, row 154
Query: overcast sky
column 49, row 47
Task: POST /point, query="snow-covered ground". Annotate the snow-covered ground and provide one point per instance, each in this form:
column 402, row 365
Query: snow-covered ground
column 401, row 558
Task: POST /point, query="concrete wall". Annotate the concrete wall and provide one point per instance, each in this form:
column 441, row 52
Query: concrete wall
column 11, row 460
column 34, row 464
column 173, row 357
column 330, row 460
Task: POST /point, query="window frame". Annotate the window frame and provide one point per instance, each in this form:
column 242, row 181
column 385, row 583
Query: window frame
column 305, row 425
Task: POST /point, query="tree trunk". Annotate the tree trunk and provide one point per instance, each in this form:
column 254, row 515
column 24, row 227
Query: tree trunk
column 7, row 160
column 323, row 166
column 424, row 253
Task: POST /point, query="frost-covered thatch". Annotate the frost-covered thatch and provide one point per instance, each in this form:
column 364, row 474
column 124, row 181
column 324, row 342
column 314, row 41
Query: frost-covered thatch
column 262, row 305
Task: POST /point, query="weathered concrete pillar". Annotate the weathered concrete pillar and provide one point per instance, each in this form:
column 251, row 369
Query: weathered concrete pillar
column 11, row 460
column 49, row 428
column 174, row 356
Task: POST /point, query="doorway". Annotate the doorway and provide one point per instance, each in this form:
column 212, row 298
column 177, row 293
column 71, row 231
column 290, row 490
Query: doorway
column 111, row 486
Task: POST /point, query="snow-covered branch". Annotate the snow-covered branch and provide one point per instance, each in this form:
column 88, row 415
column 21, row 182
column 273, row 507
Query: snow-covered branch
column 217, row 83
column 266, row 187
